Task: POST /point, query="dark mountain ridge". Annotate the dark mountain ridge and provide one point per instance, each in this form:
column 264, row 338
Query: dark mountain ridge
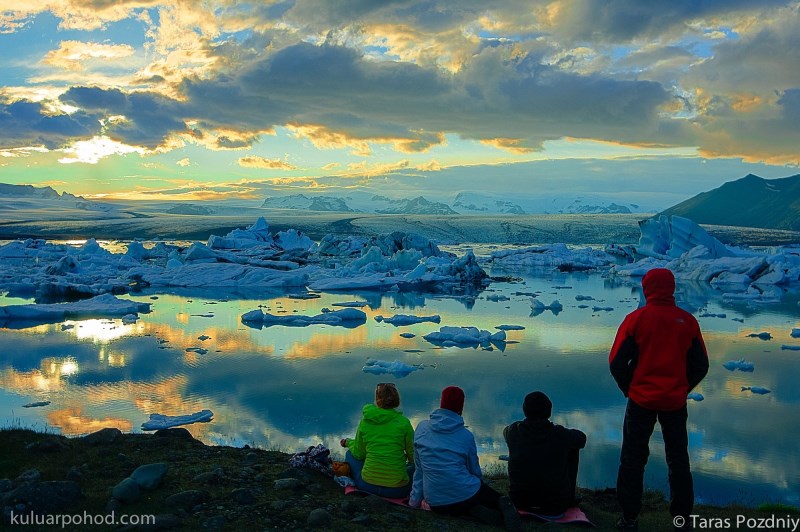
column 751, row 201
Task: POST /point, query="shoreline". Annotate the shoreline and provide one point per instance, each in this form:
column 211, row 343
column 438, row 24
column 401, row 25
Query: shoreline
column 229, row 488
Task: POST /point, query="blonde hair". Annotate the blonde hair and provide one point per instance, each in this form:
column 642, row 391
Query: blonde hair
column 387, row 396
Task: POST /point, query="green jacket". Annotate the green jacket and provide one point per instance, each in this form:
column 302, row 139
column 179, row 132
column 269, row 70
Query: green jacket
column 385, row 442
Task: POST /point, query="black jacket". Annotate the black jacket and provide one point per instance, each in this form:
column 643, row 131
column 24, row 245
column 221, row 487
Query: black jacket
column 538, row 464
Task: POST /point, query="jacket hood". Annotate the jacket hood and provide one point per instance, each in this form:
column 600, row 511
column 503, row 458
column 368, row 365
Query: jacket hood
column 659, row 287
column 443, row 420
column 379, row 416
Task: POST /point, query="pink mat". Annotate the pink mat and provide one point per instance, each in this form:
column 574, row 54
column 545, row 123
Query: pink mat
column 573, row 515
column 348, row 490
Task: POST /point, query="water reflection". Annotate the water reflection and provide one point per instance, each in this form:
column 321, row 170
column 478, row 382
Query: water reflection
column 285, row 388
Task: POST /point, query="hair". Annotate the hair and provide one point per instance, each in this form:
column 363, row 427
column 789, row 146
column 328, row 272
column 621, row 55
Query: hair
column 387, row 395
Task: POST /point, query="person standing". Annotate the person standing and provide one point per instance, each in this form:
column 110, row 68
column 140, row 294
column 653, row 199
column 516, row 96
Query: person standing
column 543, row 459
column 448, row 475
column 657, row 358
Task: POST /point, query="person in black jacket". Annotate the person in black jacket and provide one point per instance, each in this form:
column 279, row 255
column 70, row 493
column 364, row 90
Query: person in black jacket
column 543, row 459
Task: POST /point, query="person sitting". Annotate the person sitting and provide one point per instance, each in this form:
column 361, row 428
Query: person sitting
column 381, row 454
column 448, row 474
column 543, row 459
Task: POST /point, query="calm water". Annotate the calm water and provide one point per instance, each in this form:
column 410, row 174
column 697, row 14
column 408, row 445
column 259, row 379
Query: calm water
column 286, row 387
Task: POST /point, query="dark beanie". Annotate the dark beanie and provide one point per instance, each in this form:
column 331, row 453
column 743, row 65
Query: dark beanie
column 537, row 406
column 453, row 399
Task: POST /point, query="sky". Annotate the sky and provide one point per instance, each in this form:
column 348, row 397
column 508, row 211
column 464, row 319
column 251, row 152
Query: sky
column 200, row 101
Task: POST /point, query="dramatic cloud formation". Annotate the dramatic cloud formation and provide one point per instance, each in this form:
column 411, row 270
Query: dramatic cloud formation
column 354, row 85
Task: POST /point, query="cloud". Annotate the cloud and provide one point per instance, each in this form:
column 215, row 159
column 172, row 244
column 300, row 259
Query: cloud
column 72, row 55
column 25, row 124
column 95, row 149
column 184, row 162
column 260, row 162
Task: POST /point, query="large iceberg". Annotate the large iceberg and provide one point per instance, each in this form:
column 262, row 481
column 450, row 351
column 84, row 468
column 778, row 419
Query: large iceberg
column 348, row 317
column 102, row 306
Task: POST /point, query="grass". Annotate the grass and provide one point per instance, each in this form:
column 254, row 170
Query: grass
column 104, row 466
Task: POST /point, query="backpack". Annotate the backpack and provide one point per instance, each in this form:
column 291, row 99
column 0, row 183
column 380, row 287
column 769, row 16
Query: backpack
column 315, row 457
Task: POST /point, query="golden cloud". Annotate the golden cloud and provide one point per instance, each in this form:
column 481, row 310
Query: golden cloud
column 253, row 161
column 72, row 55
column 509, row 145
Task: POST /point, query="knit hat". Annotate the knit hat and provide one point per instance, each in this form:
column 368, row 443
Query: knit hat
column 537, row 406
column 453, row 399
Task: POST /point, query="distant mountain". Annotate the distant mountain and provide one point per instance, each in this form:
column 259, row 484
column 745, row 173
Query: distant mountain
column 306, row 203
column 751, row 201
column 42, row 196
column 196, row 210
column 481, row 203
column 375, row 204
column 472, row 203
column 29, row 191
column 418, row 205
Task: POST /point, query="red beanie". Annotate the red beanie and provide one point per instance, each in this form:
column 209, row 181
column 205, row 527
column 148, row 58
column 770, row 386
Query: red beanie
column 453, row 399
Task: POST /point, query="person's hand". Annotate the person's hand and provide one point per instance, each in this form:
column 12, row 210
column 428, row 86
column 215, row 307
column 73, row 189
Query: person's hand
column 343, row 442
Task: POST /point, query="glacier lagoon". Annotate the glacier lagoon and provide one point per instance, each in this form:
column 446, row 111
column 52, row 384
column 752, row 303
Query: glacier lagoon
column 285, row 388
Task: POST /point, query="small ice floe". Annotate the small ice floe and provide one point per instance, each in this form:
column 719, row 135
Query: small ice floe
column 741, row 365
column 712, row 315
column 407, row 335
column 761, row 335
column 786, row 347
column 580, row 297
column 348, row 317
column 397, row 369
column 67, row 326
column 465, row 337
column 695, row 396
column 497, row 297
column 795, row 333
column 603, row 309
column 198, row 350
column 129, row 319
column 399, row 320
column 304, row 295
column 351, row 304
column 756, row 389
column 537, row 307
column 740, row 320
column 203, row 337
column 36, row 404
column 160, row 421
column 510, row 327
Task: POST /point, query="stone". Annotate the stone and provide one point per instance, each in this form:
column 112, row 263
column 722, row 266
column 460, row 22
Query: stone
column 243, row 496
column 104, row 436
column 29, row 475
column 187, row 499
column 149, row 476
column 126, row 491
column 214, row 523
column 279, row 506
column 176, row 432
column 209, row 477
column 318, row 518
column 288, row 484
column 48, row 497
column 251, row 458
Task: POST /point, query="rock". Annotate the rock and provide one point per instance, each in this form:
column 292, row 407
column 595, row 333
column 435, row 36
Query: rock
column 126, row 491
column 288, row 484
column 186, row 499
column 105, row 436
column 149, row 476
column 362, row 519
column 214, row 523
column 30, row 475
column 177, row 432
column 251, row 458
column 209, row 477
column 350, row 507
column 279, row 506
column 318, row 518
column 44, row 497
column 243, row 496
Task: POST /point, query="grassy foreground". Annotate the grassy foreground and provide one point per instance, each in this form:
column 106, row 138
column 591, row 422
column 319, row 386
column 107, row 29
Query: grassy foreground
column 235, row 489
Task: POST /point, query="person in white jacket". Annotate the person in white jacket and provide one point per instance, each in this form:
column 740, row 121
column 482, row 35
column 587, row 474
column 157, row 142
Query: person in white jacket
column 448, row 474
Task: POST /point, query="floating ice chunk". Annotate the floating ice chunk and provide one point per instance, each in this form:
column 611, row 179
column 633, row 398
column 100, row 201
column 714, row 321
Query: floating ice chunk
column 293, row 239
column 538, row 307
column 554, row 256
column 580, row 297
column 348, row 317
column 464, row 337
column 712, row 315
column 397, row 369
column 351, row 304
column 672, row 236
column 786, row 347
column 406, row 319
column 761, row 335
column 407, row 335
column 603, row 309
column 203, row 337
column 795, row 333
column 198, row 350
column 105, row 306
column 497, row 297
column 160, row 421
column 129, row 319
column 756, row 389
column 695, row 396
column 740, row 320
column 741, row 365
column 510, row 327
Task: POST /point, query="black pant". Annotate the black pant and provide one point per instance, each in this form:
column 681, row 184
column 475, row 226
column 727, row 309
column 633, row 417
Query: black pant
column 485, row 496
column 637, row 429
column 554, row 501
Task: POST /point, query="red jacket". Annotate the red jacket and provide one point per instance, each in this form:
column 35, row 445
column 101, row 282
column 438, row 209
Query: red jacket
column 658, row 355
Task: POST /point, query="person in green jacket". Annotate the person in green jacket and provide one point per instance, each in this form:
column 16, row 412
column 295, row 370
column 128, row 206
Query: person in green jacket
column 381, row 456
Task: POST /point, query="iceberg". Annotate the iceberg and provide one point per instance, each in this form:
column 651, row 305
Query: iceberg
column 741, row 365
column 160, row 421
column 756, row 389
column 510, row 327
column 786, row 347
column 537, row 307
column 795, row 333
column 405, row 319
column 397, row 369
column 348, row 317
column 102, row 306
column 760, row 335
column 695, row 396
column 557, row 256
column 464, row 337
